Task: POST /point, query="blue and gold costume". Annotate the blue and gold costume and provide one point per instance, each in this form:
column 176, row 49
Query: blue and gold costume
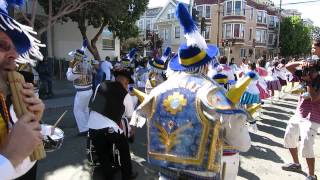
column 188, row 114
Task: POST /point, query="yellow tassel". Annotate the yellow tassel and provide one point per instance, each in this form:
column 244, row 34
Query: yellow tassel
column 235, row 93
column 254, row 108
column 140, row 95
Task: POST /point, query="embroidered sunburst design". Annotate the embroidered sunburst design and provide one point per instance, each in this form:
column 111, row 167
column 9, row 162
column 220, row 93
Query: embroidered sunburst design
column 171, row 124
column 174, row 103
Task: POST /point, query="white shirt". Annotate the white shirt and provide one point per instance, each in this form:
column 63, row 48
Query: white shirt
column 98, row 121
column 106, row 67
column 6, row 168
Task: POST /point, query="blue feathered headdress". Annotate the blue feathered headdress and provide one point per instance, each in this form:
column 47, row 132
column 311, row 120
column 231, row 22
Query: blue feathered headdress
column 131, row 53
column 20, row 35
column 194, row 54
column 166, row 54
column 81, row 51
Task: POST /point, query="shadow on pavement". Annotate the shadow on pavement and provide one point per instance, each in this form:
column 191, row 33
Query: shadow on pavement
column 271, row 130
column 274, row 109
column 246, row 174
column 263, row 153
column 264, row 140
column 274, row 123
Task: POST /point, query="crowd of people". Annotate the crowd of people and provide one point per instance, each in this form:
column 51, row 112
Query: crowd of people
column 198, row 106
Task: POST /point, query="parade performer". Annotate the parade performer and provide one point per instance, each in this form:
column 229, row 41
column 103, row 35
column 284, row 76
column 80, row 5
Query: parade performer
column 110, row 102
column 187, row 113
column 80, row 72
column 18, row 136
column 252, row 94
column 305, row 123
column 157, row 73
column 262, row 84
column 272, row 78
column 102, row 71
column 141, row 74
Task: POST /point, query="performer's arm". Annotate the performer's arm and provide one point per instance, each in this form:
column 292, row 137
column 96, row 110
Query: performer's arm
column 71, row 76
column 236, row 132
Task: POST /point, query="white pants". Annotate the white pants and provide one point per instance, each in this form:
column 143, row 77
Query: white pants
column 81, row 109
column 232, row 166
column 307, row 130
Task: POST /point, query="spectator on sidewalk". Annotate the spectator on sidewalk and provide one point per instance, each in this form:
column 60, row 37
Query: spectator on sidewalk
column 306, row 121
column 45, row 71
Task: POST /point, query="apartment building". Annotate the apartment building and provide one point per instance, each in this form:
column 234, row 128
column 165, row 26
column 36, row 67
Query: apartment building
column 249, row 26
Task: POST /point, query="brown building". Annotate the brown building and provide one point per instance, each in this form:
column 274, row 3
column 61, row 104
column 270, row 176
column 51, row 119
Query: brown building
column 241, row 28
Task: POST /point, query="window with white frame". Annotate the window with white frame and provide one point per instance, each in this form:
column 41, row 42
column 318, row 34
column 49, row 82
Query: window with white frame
column 251, row 13
column 272, row 21
column 261, row 35
column 108, row 44
column 242, row 52
column 170, row 14
column 166, row 34
column 141, row 24
column 228, row 8
column 227, row 31
column 148, row 24
column 208, row 12
column 200, row 10
column 271, row 39
column 262, row 17
column 177, row 32
column 235, row 7
column 207, row 32
column 234, row 30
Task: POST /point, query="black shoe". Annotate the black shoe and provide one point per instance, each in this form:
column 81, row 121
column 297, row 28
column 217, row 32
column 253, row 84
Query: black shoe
column 84, row 133
column 133, row 175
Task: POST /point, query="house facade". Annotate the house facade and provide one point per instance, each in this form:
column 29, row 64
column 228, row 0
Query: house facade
column 241, row 28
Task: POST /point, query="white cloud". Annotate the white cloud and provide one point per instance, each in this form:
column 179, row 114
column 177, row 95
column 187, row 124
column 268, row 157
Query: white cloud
column 157, row 3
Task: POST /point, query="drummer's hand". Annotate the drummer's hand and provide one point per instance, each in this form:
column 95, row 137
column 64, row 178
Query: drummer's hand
column 35, row 105
column 24, row 137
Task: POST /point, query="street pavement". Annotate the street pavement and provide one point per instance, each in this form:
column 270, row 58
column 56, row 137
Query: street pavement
column 263, row 161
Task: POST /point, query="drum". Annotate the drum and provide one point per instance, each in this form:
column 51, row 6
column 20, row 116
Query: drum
column 53, row 142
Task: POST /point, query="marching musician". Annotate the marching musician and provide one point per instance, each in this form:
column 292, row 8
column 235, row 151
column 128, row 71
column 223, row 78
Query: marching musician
column 80, row 72
column 18, row 139
column 189, row 115
column 110, row 103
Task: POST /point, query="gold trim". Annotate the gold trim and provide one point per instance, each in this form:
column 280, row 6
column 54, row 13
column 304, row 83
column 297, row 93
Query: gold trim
column 216, row 144
column 158, row 65
column 198, row 160
column 175, row 96
column 194, row 59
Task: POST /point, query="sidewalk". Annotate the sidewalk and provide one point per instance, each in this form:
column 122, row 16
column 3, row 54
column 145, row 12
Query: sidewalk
column 63, row 95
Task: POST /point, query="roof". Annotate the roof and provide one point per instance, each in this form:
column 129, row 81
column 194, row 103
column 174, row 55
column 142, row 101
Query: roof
column 153, row 12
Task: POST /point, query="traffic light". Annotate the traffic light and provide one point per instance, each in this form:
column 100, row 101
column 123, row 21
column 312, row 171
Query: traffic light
column 203, row 24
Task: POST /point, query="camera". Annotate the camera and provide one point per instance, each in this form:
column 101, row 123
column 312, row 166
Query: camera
column 314, row 66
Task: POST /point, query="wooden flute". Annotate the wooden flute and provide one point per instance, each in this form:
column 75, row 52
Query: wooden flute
column 20, row 107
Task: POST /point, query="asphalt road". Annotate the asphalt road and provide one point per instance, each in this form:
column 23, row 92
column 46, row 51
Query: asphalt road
column 263, row 161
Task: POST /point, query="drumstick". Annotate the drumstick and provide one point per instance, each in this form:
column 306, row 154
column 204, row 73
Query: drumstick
column 58, row 121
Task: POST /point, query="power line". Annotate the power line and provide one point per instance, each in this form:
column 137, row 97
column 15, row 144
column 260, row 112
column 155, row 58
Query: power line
column 304, row 2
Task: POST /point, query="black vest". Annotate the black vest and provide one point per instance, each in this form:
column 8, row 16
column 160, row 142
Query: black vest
column 109, row 100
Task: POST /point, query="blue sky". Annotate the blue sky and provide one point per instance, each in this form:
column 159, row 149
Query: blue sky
column 308, row 10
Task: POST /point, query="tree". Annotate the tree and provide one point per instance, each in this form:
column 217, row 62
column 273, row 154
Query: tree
column 56, row 11
column 295, row 37
column 118, row 15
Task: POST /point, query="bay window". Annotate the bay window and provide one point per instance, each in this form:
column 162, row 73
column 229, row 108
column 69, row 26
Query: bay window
column 261, row 36
column 262, row 17
column 233, row 30
column 235, row 8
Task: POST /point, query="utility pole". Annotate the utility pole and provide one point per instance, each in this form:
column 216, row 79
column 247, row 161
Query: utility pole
column 278, row 38
column 191, row 6
column 218, row 35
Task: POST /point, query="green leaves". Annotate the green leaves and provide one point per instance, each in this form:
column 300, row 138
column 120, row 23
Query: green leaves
column 295, row 37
